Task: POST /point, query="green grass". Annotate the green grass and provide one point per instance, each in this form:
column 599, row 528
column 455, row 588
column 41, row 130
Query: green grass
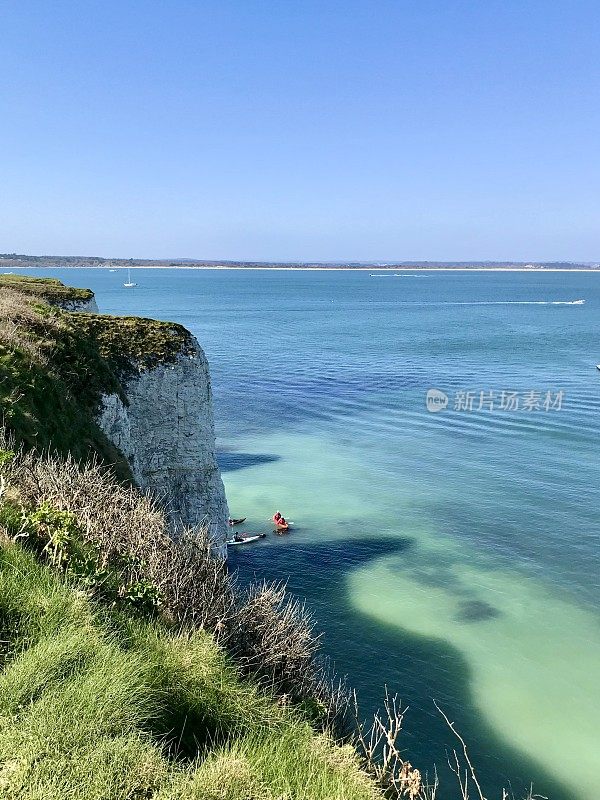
column 97, row 705
column 42, row 408
column 48, row 289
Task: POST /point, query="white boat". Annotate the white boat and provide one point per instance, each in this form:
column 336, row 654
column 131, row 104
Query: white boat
column 245, row 539
column 129, row 283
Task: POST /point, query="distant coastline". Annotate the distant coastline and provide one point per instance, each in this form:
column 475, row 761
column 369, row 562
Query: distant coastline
column 12, row 261
column 333, row 269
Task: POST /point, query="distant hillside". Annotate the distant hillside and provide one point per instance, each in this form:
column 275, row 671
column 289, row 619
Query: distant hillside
column 9, row 261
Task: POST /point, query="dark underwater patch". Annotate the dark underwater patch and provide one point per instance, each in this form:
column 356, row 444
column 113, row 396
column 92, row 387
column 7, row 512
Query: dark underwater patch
column 476, row 611
column 230, row 462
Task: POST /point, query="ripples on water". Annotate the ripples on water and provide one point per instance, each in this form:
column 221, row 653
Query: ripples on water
column 454, row 555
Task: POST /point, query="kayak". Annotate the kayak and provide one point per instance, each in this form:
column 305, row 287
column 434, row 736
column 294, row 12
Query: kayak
column 246, row 539
column 233, row 522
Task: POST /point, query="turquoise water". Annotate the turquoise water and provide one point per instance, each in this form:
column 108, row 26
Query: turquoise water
column 452, row 555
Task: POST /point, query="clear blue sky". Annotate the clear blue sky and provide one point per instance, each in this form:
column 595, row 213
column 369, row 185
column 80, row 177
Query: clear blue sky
column 285, row 130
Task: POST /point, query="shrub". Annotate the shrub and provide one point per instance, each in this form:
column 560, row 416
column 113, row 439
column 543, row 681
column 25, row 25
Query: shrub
column 272, row 636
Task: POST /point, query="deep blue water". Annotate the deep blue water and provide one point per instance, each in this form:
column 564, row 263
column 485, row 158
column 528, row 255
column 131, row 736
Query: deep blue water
column 451, row 555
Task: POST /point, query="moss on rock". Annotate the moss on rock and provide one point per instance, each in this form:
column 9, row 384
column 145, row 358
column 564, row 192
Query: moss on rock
column 133, row 343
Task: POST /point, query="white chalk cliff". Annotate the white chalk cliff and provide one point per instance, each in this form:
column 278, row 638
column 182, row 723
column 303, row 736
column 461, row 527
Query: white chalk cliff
column 89, row 306
column 165, row 429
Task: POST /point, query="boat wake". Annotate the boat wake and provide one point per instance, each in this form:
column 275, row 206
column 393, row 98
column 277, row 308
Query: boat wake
column 496, row 303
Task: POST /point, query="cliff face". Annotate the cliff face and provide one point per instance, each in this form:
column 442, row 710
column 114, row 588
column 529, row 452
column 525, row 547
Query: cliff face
column 89, row 305
column 165, row 429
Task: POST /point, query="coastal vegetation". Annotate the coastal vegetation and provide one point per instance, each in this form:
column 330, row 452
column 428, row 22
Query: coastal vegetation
column 49, row 290
column 98, row 705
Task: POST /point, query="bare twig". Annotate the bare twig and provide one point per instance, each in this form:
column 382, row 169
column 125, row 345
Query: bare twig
column 378, row 746
column 465, row 754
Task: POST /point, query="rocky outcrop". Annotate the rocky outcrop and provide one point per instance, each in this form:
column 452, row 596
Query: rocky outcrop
column 164, row 427
column 89, row 305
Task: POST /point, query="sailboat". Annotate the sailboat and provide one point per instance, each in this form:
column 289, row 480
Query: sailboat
column 129, row 283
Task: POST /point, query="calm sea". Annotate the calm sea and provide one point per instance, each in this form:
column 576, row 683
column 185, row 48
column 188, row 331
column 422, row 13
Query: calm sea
column 451, row 554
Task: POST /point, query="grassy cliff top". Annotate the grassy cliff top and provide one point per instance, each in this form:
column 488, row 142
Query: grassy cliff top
column 49, row 289
column 125, row 341
column 136, row 342
column 55, row 365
